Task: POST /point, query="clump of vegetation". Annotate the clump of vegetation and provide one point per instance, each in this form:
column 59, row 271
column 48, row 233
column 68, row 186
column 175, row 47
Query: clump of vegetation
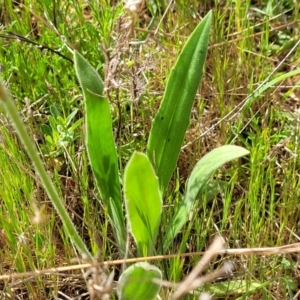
column 118, row 122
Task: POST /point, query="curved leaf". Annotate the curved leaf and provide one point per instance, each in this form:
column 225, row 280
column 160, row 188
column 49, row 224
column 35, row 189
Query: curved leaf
column 198, row 180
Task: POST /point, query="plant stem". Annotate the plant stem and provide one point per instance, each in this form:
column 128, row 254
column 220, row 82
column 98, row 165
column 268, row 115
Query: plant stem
column 29, row 145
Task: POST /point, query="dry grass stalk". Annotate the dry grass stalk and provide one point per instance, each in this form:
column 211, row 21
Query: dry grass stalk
column 193, row 280
column 291, row 248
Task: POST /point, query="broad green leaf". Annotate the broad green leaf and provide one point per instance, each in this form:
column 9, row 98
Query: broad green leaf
column 100, row 144
column 143, row 202
column 136, row 282
column 173, row 117
column 197, row 181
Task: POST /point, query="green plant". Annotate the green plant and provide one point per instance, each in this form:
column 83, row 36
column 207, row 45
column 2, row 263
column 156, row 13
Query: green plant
column 146, row 176
column 259, row 201
column 60, row 132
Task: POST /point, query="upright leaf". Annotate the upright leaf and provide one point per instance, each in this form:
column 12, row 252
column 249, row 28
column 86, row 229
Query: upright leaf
column 143, row 202
column 197, row 181
column 172, row 120
column 100, row 144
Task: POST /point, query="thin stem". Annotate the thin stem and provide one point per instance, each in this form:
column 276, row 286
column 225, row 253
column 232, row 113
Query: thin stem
column 29, row 145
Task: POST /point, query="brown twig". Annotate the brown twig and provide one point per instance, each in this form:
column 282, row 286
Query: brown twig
column 291, row 248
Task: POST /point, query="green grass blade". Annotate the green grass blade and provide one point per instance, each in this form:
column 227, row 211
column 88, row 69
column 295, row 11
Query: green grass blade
column 197, row 181
column 29, row 145
column 172, row 119
column 143, row 202
column 269, row 84
column 100, row 144
column 136, row 282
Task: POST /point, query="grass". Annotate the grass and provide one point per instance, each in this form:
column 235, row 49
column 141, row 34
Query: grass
column 258, row 208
